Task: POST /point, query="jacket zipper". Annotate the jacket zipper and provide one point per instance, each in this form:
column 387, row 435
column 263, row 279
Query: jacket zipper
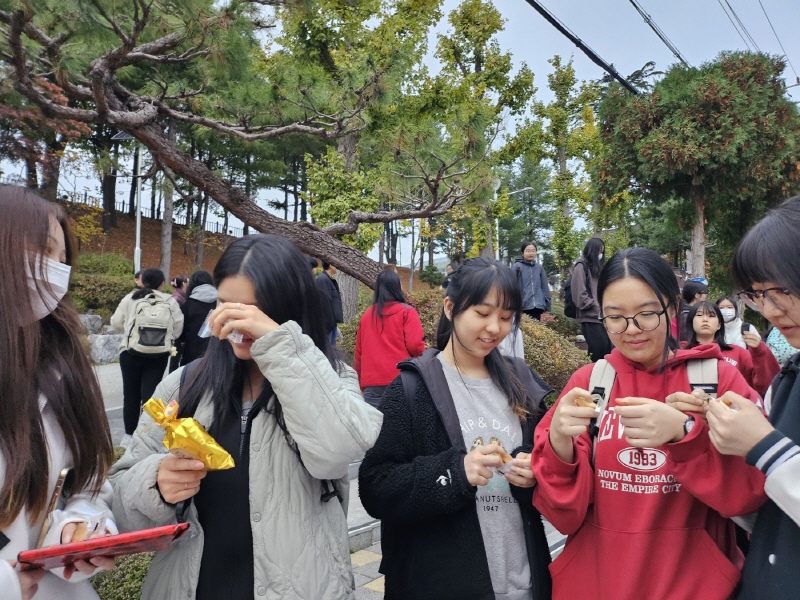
column 243, row 431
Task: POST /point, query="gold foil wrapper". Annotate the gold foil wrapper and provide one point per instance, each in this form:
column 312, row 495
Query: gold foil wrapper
column 186, row 437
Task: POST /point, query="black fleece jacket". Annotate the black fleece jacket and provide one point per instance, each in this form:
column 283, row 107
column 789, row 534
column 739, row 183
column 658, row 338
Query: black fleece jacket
column 413, row 479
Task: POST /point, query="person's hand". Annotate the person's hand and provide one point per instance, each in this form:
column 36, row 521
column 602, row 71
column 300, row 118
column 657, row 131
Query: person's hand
column 688, row 403
column 737, row 430
column 28, row 580
column 245, row 318
column 179, row 478
column 86, row 567
column 649, row 423
column 570, row 420
column 478, row 463
column 751, row 338
column 521, row 475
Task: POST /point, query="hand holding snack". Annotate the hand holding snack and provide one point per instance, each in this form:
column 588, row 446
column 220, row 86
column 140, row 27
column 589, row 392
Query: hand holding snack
column 179, row 478
column 28, row 580
column 736, row 424
column 572, row 417
column 479, row 462
column 695, row 403
column 649, row 423
column 521, row 474
column 247, row 319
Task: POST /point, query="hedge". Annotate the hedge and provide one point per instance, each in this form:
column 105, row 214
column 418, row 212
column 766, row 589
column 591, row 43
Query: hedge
column 95, row 292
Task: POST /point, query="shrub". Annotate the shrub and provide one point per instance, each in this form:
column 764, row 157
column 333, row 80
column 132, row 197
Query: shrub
column 125, row 581
column 432, row 276
column 94, row 291
column 560, row 323
column 105, row 264
column 554, row 357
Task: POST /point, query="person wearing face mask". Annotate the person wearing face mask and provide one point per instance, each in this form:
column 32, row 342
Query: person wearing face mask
column 533, row 282
column 584, row 294
column 50, row 401
column 733, row 323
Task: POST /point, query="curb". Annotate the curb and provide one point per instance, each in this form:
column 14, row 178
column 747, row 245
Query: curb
column 364, row 535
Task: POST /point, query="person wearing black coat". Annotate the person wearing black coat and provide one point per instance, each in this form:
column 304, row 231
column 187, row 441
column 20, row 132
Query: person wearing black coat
column 201, row 299
column 413, row 479
column 331, row 300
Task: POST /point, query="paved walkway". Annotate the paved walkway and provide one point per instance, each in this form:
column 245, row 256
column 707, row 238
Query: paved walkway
column 369, row 583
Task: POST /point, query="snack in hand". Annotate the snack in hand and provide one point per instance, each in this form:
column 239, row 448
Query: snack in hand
column 585, row 402
column 726, row 404
column 81, row 532
column 186, row 437
column 504, row 456
column 701, row 395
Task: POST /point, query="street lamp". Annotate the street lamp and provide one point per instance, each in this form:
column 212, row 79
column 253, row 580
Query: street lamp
column 137, row 251
column 497, row 219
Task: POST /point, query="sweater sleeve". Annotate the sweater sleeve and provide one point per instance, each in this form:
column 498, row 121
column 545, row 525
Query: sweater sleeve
column 580, row 294
column 725, row 483
column 765, row 367
column 396, row 483
column 564, row 490
column 779, row 459
column 117, row 321
column 413, row 333
column 357, row 354
column 9, row 581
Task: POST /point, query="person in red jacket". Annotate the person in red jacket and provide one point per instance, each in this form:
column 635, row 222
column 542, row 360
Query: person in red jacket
column 757, row 364
column 645, row 502
column 388, row 333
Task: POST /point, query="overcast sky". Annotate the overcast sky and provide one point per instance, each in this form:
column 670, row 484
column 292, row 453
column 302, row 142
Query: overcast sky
column 700, row 29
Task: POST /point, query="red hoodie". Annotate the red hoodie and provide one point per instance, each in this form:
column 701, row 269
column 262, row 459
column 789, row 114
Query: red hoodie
column 646, row 523
column 758, row 365
column 380, row 345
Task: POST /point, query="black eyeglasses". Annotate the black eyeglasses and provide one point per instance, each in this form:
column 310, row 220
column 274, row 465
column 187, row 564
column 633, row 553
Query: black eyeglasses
column 779, row 297
column 647, row 320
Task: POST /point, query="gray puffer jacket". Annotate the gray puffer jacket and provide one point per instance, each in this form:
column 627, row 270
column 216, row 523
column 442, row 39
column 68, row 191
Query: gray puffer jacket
column 300, row 543
column 533, row 283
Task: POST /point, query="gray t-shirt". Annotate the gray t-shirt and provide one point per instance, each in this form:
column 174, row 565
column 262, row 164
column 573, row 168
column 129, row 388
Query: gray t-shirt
column 483, row 412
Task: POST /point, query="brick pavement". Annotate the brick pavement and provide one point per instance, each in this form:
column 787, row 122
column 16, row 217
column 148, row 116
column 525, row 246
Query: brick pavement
column 369, row 582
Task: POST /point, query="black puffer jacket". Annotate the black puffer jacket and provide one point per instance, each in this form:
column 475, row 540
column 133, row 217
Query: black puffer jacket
column 413, row 479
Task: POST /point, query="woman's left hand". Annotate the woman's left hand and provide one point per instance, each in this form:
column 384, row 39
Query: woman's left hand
column 751, row 338
column 245, row 318
column 86, row 567
column 522, row 475
column 649, row 423
column 737, row 430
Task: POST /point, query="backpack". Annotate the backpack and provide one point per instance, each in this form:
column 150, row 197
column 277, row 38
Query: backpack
column 570, row 309
column 150, row 330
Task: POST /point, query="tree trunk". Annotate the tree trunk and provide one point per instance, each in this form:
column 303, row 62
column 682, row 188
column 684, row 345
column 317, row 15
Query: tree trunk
column 51, row 169
column 307, row 237
column 200, row 237
column 31, row 175
column 153, row 199
column 699, row 232
column 348, row 286
column 132, row 196
column 109, row 187
column 166, row 224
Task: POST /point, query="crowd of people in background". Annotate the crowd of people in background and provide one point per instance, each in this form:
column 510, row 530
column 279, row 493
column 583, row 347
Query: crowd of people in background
column 670, row 462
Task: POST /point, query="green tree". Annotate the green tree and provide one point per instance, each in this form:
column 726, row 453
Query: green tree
column 529, row 216
column 718, row 142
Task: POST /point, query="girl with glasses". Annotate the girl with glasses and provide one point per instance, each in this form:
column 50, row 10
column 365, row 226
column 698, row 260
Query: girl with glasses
column 757, row 364
column 767, row 267
column 644, row 500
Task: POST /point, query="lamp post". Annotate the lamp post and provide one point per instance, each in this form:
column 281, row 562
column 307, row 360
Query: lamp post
column 497, row 219
column 137, row 251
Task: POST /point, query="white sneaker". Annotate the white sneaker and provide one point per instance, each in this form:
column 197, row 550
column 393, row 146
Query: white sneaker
column 126, row 441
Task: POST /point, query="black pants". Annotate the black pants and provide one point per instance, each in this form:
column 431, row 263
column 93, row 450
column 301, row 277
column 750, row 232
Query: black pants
column 374, row 394
column 535, row 313
column 597, row 340
column 140, row 376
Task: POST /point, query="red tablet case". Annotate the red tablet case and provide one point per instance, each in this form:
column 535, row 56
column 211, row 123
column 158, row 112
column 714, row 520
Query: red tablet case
column 146, row 540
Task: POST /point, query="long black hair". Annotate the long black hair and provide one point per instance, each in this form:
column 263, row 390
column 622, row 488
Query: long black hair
column 706, row 308
column 285, row 291
column 732, row 300
column 469, row 286
column 152, row 279
column 199, row 278
column 647, row 266
column 387, row 289
column 591, row 253
column 769, row 251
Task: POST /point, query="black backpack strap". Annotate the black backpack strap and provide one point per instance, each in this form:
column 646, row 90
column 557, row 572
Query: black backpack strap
column 188, row 370
column 327, row 494
column 409, row 379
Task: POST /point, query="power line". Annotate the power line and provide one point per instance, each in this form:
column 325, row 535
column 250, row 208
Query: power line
column 648, row 19
column 777, row 38
column 747, row 33
column 593, row 56
column 722, row 6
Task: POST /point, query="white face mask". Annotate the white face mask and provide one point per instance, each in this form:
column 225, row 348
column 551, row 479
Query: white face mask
column 56, row 278
column 600, row 256
column 728, row 314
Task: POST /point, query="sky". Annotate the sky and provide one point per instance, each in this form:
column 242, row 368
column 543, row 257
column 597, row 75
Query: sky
column 700, row 29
